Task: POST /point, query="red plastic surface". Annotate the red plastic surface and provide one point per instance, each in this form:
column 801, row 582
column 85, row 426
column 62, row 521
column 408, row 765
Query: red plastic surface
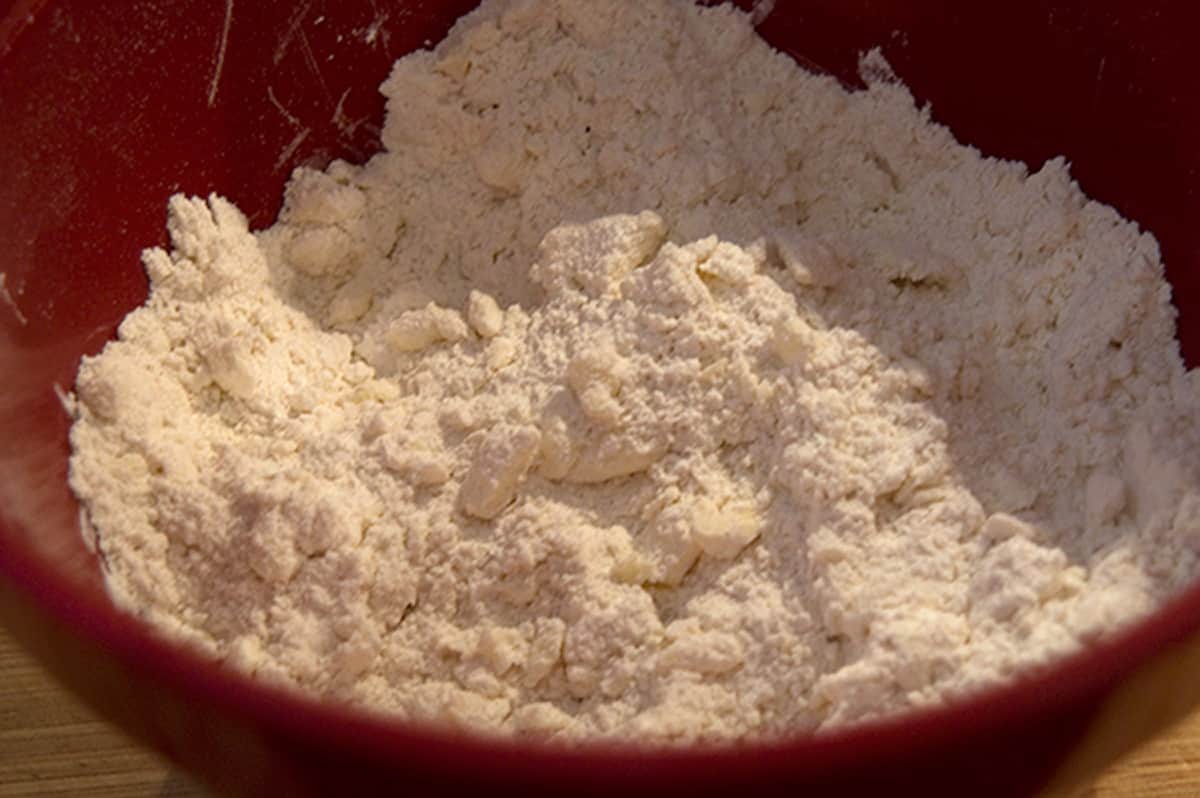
column 108, row 108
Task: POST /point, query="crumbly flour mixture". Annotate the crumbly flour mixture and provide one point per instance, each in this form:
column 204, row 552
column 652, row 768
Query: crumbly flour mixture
column 645, row 386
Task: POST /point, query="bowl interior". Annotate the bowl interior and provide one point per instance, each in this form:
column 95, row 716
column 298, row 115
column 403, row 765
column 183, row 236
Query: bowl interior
column 111, row 107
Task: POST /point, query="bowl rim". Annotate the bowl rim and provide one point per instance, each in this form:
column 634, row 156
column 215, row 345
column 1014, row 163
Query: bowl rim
column 1038, row 694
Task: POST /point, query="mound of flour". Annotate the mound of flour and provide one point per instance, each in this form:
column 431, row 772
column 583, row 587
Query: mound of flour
column 645, row 386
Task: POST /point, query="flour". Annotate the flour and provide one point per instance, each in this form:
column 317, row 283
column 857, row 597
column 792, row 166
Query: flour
column 645, row 386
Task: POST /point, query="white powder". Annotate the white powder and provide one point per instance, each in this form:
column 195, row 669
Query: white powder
column 645, row 386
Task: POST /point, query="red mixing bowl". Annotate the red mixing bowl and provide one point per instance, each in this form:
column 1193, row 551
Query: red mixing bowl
column 107, row 108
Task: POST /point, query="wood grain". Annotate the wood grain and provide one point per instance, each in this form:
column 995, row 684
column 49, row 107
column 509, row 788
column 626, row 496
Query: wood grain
column 51, row 745
column 1168, row 765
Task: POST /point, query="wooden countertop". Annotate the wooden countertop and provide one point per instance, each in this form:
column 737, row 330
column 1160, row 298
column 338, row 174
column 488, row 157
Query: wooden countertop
column 51, row 745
